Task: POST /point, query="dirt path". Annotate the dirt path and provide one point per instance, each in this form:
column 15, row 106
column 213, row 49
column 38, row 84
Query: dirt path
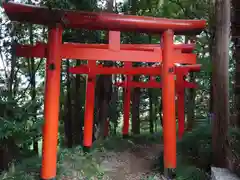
column 136, row 163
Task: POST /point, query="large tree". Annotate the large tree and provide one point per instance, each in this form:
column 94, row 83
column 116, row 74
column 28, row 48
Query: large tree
column 220, row 80
column 235, row 34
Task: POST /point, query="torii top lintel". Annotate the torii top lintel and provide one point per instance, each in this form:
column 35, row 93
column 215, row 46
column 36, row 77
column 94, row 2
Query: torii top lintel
column 99, row 20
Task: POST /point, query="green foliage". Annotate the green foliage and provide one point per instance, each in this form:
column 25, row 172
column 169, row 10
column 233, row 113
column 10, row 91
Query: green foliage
column 75, row 163
column 71, row 163
column 18, row 122
column 234, row 150
column 187, row 172
column 194, row 154
column 119, row 144
column 195, row 146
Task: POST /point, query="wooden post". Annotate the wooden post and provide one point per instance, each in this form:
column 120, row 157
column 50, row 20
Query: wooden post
column 51, row 104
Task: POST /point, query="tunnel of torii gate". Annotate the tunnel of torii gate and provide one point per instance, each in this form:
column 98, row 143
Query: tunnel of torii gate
column 92, row 70
column 181, row 84
column 55, row 50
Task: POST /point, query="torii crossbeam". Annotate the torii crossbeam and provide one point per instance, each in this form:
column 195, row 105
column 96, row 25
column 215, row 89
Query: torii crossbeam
column 56, row 20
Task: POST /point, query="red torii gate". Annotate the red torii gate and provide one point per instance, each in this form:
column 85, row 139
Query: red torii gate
column 181, row 84
column 56, row 20
column 92, row 70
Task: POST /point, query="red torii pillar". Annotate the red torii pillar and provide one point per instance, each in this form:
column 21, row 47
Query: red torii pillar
column 181, row 111
column 127, row 102
column 181, row 103
column 51, row 103
column 168, row 95
column 89, row 108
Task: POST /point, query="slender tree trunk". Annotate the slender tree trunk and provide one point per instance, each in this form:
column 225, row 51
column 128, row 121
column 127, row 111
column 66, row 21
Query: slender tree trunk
column 68, row 112
column 135, row 111
column 220, row 82
column 106, row 88
column 212, row 47
column 136, row 91
column 160, row 112
column 117, row 104
column 32, row 76
column 156, row 111
column 191, row 96
column 77, row 124
column 151, row 111
column 191, row 105
column 113, row 114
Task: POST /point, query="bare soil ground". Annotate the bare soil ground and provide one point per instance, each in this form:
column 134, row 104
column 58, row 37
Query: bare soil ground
column 136, row 163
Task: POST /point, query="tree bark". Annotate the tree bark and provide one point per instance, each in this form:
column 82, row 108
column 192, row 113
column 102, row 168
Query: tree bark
column 104, row 95
column 160, row 111
column 220, row 80
column 235, row 119
column 191, row 105
column 32, row 76
column 151, row 111
column 105, row 88
column 135, row 111
column 68, row 112
column 77, row 124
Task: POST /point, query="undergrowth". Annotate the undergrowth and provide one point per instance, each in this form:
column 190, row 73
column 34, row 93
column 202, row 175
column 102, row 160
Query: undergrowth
column 234, row 150
column 195, row 153
column 74, row 163
column 194, row 157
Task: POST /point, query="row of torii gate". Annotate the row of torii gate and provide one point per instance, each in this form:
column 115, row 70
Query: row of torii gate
column 168, row 55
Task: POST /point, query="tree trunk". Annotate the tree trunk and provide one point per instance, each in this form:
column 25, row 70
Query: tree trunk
column 135, row 111
column 105, row 88
column 113, row 114
column 104, row 96
column 211, row 42
column 8, row 152
column 191, row 95
column 77, row 124
column 151, row 111
column 160, row 111
column 235, row 119
column 118, row 97
column 191, row 105
column 68, row 112
column 32, row 75
column 220, row 80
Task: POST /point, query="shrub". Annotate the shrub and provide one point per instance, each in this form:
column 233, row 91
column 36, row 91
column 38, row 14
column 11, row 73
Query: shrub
column 234, row 150
column 195, row 147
